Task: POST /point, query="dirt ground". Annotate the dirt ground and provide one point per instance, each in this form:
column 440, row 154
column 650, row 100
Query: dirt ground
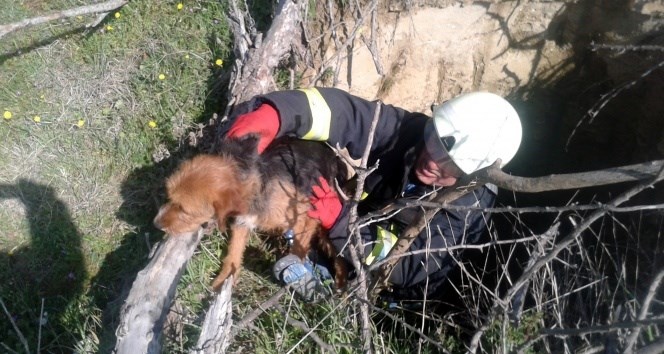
column 431, row 54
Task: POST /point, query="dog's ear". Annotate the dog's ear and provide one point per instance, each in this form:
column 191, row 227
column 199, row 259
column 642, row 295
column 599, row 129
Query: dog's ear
column 166, row 216
column 243, row 146
column 243, row 149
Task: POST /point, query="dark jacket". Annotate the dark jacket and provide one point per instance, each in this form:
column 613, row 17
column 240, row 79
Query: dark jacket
column 344, row 120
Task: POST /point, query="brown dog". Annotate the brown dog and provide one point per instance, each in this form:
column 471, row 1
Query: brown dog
column 268, row 192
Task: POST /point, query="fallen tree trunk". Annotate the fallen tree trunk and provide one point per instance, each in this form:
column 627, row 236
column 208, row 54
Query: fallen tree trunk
column 143, row 313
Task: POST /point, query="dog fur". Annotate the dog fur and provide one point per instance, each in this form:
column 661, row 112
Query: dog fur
column 268, row 192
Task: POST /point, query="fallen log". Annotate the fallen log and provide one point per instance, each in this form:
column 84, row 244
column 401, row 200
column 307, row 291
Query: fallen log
column 144, row 311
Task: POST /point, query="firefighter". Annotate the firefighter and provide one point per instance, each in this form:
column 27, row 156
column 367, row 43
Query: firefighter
column 415, row 154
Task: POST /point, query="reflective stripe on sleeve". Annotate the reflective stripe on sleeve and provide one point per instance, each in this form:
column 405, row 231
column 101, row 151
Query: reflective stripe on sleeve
column 385, row 240
column 321, row 116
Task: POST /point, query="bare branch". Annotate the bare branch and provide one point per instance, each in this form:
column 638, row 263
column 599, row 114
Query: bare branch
column 606, row 98
column 343, row 47
column 371, row 43
column 256, row 74
column 214, row 337
column 629, row 343
column 357, row 250
column 18, row 332
column 401, row 204
column 249, row 318
column 620, row 48
column 78, row 11
column 630, row 173
column 638, row 324
column 548, row 235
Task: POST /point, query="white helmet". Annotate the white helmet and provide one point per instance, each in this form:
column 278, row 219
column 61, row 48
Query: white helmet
column 485, row 127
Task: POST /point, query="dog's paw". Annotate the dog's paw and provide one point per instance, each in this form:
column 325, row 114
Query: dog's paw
column 225, row 273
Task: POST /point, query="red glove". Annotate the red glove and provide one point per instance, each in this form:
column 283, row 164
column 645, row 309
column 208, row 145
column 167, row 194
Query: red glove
column 326, row 204
column 264, row 121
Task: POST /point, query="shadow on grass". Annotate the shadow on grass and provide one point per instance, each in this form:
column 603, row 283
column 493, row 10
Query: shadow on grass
column 84, row 31
column 50, row 268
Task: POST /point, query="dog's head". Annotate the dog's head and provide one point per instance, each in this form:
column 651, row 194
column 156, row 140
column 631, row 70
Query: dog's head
column 196, row 194
column 178, row 217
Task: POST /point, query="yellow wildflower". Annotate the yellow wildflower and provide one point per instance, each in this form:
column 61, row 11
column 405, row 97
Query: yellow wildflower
column 109, row 28
column 219, row 62
column 180, row 6
column 7, row 115
column 37, row 119
column 162, row 77
column 152, row 124
column 186, row 56
column 80, row 123
column 117, row 15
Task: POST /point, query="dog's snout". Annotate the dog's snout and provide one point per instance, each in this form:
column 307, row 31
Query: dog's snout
column 158, row 223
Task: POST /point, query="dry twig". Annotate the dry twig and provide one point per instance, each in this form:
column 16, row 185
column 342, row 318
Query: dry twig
column 249, row 318
column 607, row 97
column 18, row 332
column 103, row 7
column 645, row 307
column 357, row 249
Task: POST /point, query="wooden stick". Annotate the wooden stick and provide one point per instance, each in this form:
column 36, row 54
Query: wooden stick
column 78, row 11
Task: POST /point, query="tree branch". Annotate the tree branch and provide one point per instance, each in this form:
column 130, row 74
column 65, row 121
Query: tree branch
column 78, row 11
column 630, row 173
column 357, row 249
column 215, row 332
column 257, row 69
column 645, row 307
